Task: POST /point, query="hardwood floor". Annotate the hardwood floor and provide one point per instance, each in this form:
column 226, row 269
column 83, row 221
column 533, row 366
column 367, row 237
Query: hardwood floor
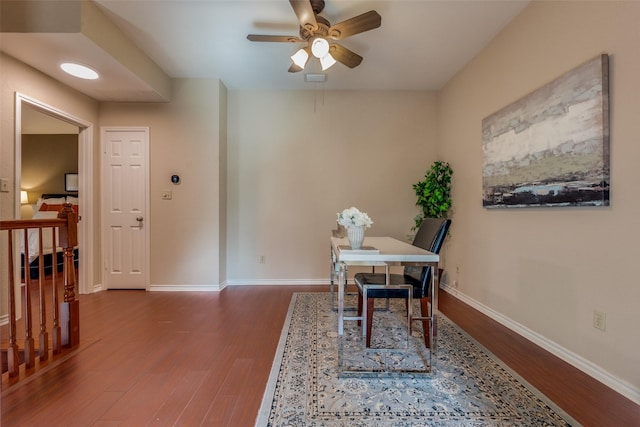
column 163, row 358
column 588, row 401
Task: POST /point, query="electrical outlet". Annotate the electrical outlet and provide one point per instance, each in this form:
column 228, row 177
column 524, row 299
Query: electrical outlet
column 263, row 259
column 4, row 185
column 166, row 195
column 599, row 320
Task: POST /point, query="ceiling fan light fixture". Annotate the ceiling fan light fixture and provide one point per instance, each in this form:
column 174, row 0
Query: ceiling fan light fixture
column 317, row 32
column 319, row 47
column 78, row 70
column 300, row 58
column 327, row 61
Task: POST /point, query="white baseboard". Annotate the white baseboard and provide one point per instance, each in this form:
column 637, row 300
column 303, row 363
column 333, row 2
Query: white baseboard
column 590, row 368
column 240, row 282
column 248, row 282
column 274, row 282
column 184, row 288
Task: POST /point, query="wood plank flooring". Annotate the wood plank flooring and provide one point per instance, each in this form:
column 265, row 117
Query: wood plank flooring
column 203, row 359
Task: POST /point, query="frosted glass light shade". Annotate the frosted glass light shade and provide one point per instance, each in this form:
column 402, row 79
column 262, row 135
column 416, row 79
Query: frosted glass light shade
column 327, row 61
column 24, row 197
column 300, row 58
column 319, row 47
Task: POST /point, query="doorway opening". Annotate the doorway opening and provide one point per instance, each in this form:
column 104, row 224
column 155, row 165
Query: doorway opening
column 85, row 178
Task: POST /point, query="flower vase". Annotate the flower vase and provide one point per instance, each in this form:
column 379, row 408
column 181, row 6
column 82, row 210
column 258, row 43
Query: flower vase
column 356, row 236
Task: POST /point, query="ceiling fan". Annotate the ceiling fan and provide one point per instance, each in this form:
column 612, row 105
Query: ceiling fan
column 318, row 33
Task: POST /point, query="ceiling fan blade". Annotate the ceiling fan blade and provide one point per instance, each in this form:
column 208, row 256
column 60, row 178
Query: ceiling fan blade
column 357, row 24
column 266, row 38
column 344, row 55
column 305, row 14
column 295, row 68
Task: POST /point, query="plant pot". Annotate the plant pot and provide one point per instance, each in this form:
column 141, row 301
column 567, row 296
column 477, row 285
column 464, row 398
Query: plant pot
column 356, row 236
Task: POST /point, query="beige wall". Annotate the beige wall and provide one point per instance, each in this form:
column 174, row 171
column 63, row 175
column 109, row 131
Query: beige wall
column 17, row 77
column 184, row 139
column 45, row 160
column 547, row 269
column 296, row 158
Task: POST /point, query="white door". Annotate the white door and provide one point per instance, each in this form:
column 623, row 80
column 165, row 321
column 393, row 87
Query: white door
column 125, row 234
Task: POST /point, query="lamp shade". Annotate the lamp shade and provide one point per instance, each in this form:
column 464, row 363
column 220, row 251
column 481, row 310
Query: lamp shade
column 300, row 58
column 319, row 47
column 327, row 61
column 24, row 197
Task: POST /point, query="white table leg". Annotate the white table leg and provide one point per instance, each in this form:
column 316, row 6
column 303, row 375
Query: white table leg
column 332, row 275
column 341, row 281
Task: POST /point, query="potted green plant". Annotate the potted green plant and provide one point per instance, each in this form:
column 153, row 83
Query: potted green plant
column 434, row 193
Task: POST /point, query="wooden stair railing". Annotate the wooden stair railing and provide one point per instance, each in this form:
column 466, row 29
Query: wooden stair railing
column 65, row 316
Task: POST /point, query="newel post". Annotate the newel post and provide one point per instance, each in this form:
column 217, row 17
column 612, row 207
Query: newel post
column 70, row 307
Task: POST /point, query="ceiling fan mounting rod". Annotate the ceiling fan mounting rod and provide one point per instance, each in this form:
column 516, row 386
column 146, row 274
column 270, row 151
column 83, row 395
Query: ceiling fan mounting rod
column 317, row 6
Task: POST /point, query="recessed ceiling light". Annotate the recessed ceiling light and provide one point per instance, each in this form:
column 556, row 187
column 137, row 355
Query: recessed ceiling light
column 80, row 71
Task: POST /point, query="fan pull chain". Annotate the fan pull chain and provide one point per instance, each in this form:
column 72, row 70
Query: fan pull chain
column 315, row 96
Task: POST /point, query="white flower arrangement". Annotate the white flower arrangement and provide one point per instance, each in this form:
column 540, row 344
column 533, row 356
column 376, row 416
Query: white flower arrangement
column 352, row 217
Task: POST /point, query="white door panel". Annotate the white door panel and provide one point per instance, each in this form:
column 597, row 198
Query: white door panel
column 125, row 204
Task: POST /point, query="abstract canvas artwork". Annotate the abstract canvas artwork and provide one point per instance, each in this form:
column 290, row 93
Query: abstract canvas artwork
column 551, row 147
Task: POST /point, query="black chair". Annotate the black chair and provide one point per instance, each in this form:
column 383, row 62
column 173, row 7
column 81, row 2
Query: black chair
column 430, row 236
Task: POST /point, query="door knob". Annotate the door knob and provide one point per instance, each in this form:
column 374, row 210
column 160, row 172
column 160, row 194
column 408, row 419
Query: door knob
column 139, row 219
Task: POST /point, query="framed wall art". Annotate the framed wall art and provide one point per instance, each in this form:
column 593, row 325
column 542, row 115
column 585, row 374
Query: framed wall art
column 71, row 182
column 551, row 147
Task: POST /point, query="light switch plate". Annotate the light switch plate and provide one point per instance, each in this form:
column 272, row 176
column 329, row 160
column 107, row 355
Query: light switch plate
column 4, row 185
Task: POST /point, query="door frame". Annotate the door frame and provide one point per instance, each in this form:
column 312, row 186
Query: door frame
column 103, row 215
column 85, row 180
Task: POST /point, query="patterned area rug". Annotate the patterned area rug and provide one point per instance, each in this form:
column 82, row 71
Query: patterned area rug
column 467, row 387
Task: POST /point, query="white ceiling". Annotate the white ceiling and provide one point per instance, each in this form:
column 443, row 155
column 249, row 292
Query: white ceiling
column 420, row 45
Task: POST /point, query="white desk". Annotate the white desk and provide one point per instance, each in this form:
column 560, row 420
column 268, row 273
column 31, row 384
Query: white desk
column 391, row 252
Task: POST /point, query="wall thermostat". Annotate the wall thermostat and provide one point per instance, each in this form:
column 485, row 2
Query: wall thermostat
column 175, row 179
